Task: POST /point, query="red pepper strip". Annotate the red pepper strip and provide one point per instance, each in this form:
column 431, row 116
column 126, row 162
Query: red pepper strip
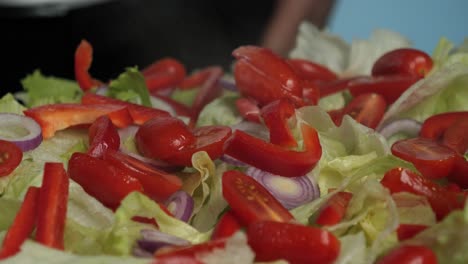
column 163, row 74
column 52, row 208
column 56, row 117
column 22, row 226
column 311, row 71
column 248, row 109
column 208, row 91
column 328, row 88
column 459, row 174
column 195, row 79
column 407, row 231
column 157, row 184
column 273, row 158
column 311, row 92
column 456, row 136
column 226, row 226
column 191, row 251
column 335, row 209
column 139, row 113
column 96, row 175
column 276, row 115
column 102, row 135
column 435, row 126
column 83, row 60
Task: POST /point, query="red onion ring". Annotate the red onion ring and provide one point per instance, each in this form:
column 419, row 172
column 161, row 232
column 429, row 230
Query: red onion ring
column 290, row 192
column 180, row 204
column 407, row 126
column 228, row 84
column 28, row 142
column 152, row 240
column 233, row 161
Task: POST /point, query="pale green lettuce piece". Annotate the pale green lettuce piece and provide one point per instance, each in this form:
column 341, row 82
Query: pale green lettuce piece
column 236, row 251
column 185, row 96
column 353, row 249
column 49, row 90
column 130, row 86
column 8, row 104
column 221, row 111
column 414, row 209
column 332, row 102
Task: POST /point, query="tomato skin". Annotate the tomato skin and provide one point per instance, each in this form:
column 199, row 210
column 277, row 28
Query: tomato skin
column 163, row 74
column 208, row 91
column 96, row 175
column 56, row 117
column 83, row 60
column 195, row 79
column 329, row 88
column 441, row 200
column 264, row 76
column 273, row 158
column 308, row 70
column 189, row 253
column 248, row 109
column 435, row 126
column 310, row 92
column 403, row 61
column 335, row 209
column 432, row 159
column 10, row 157
column 102, row 135
column 52, row 206
column 275, row 116
column 409, row 254
column 406, row 231
column 367, row 109
column 389, row 86
column 459, row 174
column 226, row 226
column 456, row 136
column 293, row 242
column 22, row 226
column 250, row 201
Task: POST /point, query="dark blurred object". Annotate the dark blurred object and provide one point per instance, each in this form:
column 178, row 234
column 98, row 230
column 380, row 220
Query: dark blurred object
column 125, row 33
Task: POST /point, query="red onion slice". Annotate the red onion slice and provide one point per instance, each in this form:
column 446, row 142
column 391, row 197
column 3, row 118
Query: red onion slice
column 32, row 131
column 290, row 191
column 228, row 84
column 152, row 240
column 253, row 128
column 233, row 161
column 180, row 204
column 407, row 126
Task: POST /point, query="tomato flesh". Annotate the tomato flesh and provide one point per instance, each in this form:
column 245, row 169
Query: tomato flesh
column 409, row 254
column 367, row 109
column 435, row 126
column 102, row 135
column 165, row 73
column 432, row 159
column 10, row 157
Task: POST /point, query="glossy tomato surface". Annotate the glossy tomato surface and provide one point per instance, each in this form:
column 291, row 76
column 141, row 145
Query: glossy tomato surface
column 10, row 157
column 403, row 61
column 409, row 254
column 367, row 109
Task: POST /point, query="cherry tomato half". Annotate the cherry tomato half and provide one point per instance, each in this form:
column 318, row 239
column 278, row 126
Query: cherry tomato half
column 227, row 225
column 367, row 109
column 250, row 201
column 456, row 136
column 10, row 157
column 403, row 61
column 163, row 74
column 435, row 126
column 409, row 254
column 311, row 71
column 102, row 135
column 432, row 159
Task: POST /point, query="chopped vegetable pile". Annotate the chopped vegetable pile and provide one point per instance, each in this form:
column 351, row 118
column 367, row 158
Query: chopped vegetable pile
column 339, row 153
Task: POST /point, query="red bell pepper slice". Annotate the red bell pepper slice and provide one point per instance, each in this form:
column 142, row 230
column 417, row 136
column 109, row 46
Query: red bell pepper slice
column 52, row 208
column 248, row 109
column 208, row 91
column 56, row 117
column 311, row 71
column 164, row 74
column 273, row 158
column 276, row 115
column 101, row 179
column 435, row 126
column 456, row 136
column 139, row 113
column 334, row 209
column 227, row 225
column 188, row 254
column 157, row 184
column 196, row 78
column 22, row 226
column 459, row 173
column 409, row 254
column 331, row 87
column 83, row 60
column 407, row 231
column 103, row 135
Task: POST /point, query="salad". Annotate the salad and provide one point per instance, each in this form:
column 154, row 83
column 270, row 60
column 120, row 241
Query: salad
column 339, row 153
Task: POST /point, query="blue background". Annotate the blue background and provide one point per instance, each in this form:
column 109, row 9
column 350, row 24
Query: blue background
column 423, row 22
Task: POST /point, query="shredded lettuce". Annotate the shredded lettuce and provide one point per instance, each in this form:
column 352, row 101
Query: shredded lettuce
column 8, row 104
column 130, row 86
column 221, row 111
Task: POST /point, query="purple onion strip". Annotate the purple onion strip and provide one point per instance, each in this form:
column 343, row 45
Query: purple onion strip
column 180, row 204
column 407, row 126
column 31, row 140
column 153, row 240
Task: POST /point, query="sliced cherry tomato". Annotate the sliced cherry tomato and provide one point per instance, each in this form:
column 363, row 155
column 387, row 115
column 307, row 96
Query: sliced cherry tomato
column 389, row 86
column 409, row 254
column 196, row 79
column 292, row 242
column 275, row 116
column 250, row 201
column 101, row 179
column 265, row 76
column 248, row 109
column 273, row 158
column 435, row 126
column 102, row 135
column 459, row 174
column 407, row 231
column 176, row 142
column 164, row 74
column 456, row 136
column 308, row 70
column 441, row 200
column 367, row 109
column 226, row 226
column 23, row 225
column 432, row 159
column 157, row 184
column 10, row 157
column 208, row 91
column 188, row 253
column 83, row 60
column 334, row 209
column 52, row 206
column 56, row 117
column 139, row 113
column 331, row 87
column 403, row 61
column 336, row 116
